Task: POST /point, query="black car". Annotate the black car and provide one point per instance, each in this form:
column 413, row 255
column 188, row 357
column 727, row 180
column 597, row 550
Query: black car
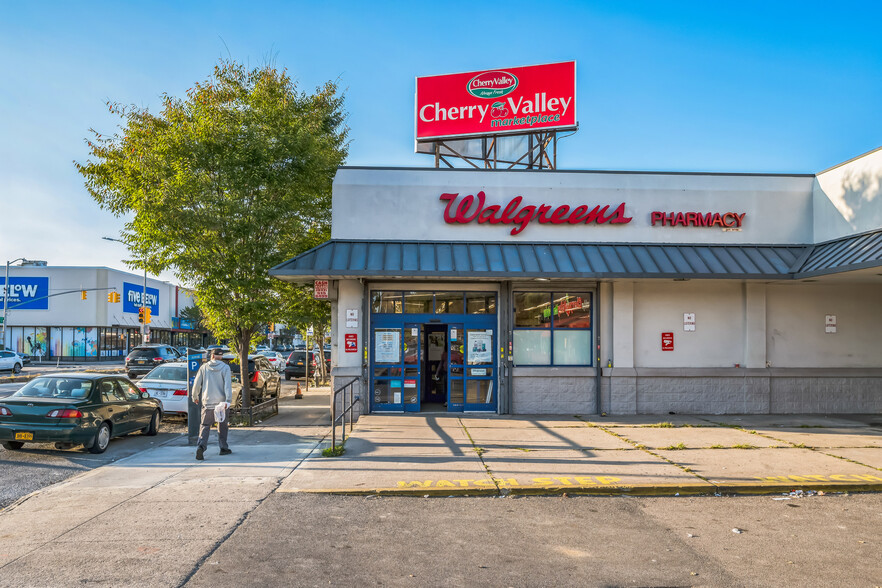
column 264, row 379
column 144, row 358
column 295, row 365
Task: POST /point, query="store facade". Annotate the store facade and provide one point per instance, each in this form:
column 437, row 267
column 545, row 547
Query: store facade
column 580, row 292
column 49, row 320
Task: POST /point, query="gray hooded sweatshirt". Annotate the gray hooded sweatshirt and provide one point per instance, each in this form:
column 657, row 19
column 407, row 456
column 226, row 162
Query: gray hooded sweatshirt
column 213, row 384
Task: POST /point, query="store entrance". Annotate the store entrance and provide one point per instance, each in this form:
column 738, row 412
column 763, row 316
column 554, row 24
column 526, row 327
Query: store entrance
column 426, row 363
column 434, row 393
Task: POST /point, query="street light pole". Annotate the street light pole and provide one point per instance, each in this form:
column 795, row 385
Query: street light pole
column 6, row 298
column 143, row 289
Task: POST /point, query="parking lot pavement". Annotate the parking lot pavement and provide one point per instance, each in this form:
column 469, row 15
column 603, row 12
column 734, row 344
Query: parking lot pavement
column 446, row 454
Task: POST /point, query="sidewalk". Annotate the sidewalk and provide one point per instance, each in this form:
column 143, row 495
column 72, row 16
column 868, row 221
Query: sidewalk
column 159, row 512
column 445, row 455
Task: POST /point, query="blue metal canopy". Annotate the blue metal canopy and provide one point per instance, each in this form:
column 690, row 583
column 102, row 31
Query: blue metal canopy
column 337, row 259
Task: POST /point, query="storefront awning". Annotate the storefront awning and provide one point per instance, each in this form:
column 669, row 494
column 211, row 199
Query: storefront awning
column 339, row 259
column 846, row 254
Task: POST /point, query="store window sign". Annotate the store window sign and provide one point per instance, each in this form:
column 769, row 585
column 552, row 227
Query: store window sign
column 471, row 208
column 132, row 298
column 729, row 220
column 26, row 293
column 320, row 290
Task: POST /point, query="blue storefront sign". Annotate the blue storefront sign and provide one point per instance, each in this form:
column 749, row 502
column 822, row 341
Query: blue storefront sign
column 132, row 298
column 26, row 293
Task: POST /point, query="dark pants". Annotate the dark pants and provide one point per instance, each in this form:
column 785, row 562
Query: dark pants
column 205, row 428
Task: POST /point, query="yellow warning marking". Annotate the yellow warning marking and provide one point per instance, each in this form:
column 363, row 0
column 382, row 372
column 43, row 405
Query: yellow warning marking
column 511, row 482
column 815, row 478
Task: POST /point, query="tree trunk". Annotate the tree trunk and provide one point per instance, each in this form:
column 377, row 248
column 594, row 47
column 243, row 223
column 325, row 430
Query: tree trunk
column 244, row 344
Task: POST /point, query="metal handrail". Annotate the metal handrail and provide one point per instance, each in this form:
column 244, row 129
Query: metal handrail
column 347, row 409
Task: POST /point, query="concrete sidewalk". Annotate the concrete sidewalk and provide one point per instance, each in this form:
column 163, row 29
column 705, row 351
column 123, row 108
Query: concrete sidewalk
column 153, row 518
column 443, row 454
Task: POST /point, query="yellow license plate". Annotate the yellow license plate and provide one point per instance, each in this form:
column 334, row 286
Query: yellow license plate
column 24, row 436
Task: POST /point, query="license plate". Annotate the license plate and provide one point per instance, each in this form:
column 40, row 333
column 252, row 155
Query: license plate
column 142, row 361
column 24, row 436
column 160, row 393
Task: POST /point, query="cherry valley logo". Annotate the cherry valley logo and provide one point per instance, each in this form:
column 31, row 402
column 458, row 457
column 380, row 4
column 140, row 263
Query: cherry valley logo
column 471, row 208
column 492, row 84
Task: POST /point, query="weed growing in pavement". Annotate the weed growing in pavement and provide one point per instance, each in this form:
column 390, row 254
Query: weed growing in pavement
column 479, row 451
column 744, row 446
column 717, row 446
column 800, row 445
column 680, row 445
column 333, row 451
column 664, row 425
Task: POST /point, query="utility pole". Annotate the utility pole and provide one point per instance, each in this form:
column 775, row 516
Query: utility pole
column 6, row 291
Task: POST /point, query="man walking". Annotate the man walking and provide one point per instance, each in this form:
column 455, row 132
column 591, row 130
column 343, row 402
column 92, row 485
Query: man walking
column 213, row 385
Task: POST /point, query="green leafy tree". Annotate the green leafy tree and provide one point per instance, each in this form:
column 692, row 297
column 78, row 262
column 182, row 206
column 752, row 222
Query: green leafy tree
column 222, row 185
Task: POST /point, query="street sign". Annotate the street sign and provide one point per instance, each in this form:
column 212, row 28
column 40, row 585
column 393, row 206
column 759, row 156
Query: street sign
column 667, row 341
column 309, row 331
column 320, row 289
column 351, row 342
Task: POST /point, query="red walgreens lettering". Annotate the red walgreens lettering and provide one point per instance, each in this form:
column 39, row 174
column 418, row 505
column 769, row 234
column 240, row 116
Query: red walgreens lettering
column 471, row 207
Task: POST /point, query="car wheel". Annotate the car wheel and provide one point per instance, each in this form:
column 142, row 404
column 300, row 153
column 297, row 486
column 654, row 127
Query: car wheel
column 102, row 439
column 278, row 389
column 238, row 403
column 16, row 368
column 12, row 445
column 153, row 428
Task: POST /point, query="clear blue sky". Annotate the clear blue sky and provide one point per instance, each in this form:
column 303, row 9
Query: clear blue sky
column 687, row 86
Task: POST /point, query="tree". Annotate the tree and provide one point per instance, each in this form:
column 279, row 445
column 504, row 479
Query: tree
column 222, row 185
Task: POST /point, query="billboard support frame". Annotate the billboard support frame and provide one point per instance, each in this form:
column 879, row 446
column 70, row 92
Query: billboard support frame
column 539, row 154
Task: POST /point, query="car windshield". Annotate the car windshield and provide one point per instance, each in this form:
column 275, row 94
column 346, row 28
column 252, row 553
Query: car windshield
column 168, row 372
column 48, row 387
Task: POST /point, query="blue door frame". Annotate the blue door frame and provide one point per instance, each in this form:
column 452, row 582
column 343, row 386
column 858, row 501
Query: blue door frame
column 396, row 353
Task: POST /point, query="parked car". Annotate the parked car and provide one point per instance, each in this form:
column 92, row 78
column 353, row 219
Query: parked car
column 275, row 358
column 10, row 360
column 263, row 379
column 295, row 365
column 168, row 384
column 144, row 358
column 25, row 358
column 76, row 408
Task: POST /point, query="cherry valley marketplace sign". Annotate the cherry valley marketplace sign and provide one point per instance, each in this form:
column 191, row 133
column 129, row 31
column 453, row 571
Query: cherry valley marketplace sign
column 491, row 102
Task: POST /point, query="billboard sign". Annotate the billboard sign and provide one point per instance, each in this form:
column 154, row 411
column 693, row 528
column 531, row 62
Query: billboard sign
column 132, row 298
column 491, row 102
column 25, row 293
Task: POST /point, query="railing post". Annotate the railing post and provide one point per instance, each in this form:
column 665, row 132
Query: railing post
column 334, row 420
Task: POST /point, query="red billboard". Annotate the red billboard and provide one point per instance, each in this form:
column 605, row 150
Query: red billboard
column 497, row 101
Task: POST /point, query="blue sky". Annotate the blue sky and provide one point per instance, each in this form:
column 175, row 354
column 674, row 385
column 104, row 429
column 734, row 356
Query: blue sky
column 684, row 86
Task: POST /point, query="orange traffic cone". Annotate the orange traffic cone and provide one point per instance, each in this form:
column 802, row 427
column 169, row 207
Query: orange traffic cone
column 299, row 394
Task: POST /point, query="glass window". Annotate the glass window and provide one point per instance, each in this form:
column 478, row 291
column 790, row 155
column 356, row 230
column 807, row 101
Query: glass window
column 387, row 345
column 448, row 303
column 531, row 347
column 572, row 347
column 572, row 311
column 61, row 387
column 552, row 328
column 167, row 372
column 532, row 309
column 479, row 345
column 481, row 303
column 457, row 393
column 418, row 302
column 386, row 302
column 479, row 392
column 128, row 390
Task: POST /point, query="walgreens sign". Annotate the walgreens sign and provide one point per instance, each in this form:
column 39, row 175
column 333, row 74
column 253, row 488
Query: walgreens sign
column 513, row 100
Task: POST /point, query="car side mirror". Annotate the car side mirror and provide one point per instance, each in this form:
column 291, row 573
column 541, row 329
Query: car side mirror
column 145, row 395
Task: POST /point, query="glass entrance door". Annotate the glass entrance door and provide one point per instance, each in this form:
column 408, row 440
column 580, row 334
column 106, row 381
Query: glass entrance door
column 471, row 367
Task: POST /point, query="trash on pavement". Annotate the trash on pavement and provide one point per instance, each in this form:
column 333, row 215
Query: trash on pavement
column 737, row 530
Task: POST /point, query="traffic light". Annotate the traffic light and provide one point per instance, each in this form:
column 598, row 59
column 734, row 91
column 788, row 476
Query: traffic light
column 141, row 314
column 110, row 296
column 83, row 294
column 113, row 297
column 147, row 314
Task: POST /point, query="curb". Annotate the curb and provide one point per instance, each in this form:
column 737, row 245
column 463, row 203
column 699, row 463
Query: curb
column 661, row 490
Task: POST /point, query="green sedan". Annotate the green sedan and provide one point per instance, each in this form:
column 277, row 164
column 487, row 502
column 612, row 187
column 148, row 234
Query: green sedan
column 76, row 409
